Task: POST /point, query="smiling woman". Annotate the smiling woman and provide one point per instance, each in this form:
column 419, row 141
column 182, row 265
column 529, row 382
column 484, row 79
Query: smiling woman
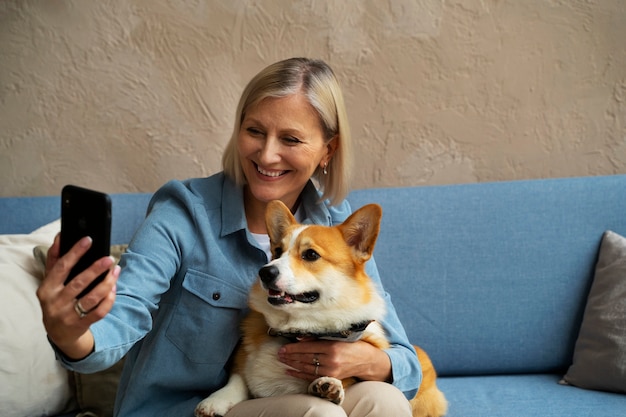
column 186, row 276
column 316, row 83
column 281, row 144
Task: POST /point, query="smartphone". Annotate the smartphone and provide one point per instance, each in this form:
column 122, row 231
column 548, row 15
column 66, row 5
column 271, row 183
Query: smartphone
column 85, row 212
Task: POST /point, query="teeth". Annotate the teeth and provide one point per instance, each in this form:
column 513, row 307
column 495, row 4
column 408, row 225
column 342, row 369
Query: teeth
column 277, row 294
column 270, row 173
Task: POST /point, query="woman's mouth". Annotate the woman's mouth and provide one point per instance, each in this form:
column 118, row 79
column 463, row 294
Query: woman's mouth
column 270, row 173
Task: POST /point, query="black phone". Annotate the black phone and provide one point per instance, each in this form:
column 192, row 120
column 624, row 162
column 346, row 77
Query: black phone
column 85, row 212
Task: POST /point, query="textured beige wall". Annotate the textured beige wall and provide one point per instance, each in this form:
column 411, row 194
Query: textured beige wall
column 124, row 95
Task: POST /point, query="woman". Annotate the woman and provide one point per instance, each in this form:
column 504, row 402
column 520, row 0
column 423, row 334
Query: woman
column 174, row 305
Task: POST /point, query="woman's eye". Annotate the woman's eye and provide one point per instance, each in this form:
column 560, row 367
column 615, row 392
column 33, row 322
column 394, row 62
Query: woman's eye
column 254, row 131
column 291, row 140
column 310, row 255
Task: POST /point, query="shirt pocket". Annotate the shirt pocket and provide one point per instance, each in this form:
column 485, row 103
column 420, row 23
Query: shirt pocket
column 205, row 323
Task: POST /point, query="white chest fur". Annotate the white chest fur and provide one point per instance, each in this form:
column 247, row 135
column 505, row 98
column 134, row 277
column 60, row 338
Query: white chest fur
column 266, row 376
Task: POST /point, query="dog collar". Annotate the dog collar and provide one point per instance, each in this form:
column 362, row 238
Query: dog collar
column 354, row 333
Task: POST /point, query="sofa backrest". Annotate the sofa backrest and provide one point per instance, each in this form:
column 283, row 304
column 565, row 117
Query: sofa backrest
column 493, row 277
column 489, row 278
column 25, row 214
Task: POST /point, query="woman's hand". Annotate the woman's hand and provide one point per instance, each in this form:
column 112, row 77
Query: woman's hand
column 337, row 359
column 66, row 321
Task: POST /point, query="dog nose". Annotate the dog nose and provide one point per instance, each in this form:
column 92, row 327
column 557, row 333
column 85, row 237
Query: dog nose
column 268, row 274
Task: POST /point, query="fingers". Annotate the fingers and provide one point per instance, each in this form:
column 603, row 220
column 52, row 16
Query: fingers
column 82, row 280
column 53, row 252
column 99, row 301
column 58, row 268
column 312, row 359
column 337, row 359
column 58, row 302
column 304, row 351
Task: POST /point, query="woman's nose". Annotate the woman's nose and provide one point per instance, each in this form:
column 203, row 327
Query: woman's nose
column 269, row 152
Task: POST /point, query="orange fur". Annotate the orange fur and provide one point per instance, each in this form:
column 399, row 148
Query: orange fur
column 429, row 401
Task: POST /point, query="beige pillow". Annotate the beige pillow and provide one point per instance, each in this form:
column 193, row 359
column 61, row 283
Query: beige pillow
column 33, row 382
column 95, row 393
column 600, row 353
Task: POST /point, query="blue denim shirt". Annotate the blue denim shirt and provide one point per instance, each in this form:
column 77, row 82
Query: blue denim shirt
column 182, row 292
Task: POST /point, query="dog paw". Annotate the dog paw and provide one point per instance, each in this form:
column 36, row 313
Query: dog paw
column 221, row 401
column 212, row 407
column 328, row 388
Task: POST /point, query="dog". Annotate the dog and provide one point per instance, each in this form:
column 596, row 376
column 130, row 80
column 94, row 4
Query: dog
column 314, row 287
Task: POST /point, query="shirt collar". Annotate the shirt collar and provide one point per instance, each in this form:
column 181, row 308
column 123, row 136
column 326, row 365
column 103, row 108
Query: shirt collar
column 233, row 212
column 315, row 210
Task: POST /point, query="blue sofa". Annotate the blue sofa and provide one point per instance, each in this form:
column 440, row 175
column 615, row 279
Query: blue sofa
column 491, row 279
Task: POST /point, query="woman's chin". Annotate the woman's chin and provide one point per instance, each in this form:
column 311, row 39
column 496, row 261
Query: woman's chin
column 265, row 196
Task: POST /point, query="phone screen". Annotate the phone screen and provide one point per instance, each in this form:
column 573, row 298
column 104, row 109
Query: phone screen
column 85, row 212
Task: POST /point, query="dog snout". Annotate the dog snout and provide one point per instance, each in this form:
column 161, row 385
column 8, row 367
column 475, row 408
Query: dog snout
column 268, row 274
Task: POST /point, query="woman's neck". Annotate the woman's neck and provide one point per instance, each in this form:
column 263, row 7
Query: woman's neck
column 255, row 215
column 255, row 212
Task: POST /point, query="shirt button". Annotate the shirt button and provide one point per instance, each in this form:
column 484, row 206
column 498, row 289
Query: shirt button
column 217, row 296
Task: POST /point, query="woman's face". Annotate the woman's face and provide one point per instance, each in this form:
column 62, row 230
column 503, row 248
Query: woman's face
column 280, row 145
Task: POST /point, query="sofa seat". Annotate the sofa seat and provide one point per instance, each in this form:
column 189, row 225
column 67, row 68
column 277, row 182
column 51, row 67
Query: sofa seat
column 526, row 395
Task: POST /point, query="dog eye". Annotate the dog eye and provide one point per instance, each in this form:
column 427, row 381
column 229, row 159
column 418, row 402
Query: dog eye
column 310, row 255
column 278, row 252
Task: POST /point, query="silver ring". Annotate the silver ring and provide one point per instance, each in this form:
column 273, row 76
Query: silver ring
column 78, row 308
column 316, row 361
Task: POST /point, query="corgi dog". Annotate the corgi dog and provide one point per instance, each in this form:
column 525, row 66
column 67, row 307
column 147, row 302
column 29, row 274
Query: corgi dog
column 314, row 287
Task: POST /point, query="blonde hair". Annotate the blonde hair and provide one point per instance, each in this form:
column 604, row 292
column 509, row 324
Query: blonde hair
column 317, row 82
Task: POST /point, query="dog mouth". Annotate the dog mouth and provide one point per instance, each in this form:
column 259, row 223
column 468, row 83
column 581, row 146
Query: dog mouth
column 281, row 298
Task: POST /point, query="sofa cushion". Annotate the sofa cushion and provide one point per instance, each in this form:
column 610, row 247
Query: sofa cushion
column 525, row 396
column 33, row 382
column 600, row 352
column 95, row 393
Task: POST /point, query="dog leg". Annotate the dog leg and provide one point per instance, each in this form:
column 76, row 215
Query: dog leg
column 328, row 388
column 221, row 401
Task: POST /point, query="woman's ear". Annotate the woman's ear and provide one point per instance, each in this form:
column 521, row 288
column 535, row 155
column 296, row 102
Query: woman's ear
column 331, row 147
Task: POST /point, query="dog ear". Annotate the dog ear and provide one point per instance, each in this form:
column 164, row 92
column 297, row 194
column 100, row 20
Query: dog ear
column 278, row 218
column 360, row 230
